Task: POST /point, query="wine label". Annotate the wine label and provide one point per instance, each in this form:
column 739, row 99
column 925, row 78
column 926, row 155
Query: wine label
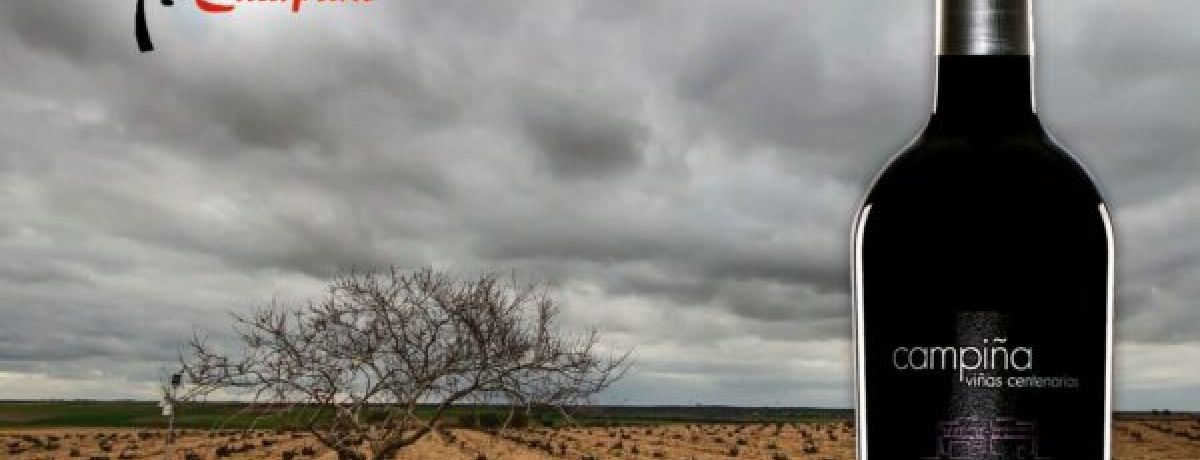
column 992, row 385
column 981, row 357
column 988, row 367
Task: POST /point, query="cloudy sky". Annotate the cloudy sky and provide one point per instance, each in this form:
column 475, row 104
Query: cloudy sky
column 685, row 172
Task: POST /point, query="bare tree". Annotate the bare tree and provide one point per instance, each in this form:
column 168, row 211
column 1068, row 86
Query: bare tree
column 360, row 363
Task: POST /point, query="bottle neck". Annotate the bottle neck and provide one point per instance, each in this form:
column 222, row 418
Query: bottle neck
column 993, row 85
column 984, row 64
column 984, row 27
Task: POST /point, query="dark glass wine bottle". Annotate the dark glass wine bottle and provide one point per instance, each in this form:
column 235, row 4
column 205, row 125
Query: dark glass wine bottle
column 983, row 270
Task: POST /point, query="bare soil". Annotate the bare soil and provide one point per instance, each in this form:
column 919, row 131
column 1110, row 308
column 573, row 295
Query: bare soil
column 1133, row 440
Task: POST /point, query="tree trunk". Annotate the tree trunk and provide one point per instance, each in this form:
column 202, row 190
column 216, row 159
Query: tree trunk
column 344, row 454
column 391, row 448
column 386, row 454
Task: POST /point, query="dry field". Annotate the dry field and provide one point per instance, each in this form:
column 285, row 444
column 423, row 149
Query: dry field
column 1175, row 440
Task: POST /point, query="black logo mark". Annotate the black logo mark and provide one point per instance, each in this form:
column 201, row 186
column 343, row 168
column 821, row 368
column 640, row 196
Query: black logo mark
column 141, row 32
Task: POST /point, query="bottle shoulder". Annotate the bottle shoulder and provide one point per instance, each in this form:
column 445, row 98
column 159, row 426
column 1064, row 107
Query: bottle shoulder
column 1016, row 166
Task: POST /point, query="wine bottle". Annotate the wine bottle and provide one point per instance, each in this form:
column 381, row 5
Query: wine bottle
column 983, row 270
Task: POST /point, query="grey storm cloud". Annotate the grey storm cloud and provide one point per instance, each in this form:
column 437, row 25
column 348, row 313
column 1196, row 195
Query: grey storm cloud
column 683, row 172
column 579, row 140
